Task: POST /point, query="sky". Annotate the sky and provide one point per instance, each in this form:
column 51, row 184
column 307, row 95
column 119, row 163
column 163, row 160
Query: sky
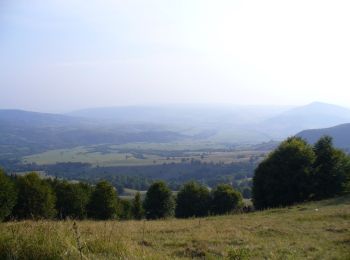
column 63, row 55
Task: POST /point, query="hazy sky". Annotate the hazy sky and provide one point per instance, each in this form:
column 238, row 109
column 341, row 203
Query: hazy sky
column 63, row 55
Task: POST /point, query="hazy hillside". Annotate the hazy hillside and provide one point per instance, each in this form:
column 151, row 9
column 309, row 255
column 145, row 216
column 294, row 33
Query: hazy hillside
column 250, row 124
column 184, row 114
column 23, row 133
column 223, row 124
column 340, row 134
column 314, row 115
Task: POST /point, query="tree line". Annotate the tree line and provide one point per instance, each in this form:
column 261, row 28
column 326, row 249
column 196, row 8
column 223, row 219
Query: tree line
column 294, row 172
column 297, row 171
column 141, row 177
column 33, row 197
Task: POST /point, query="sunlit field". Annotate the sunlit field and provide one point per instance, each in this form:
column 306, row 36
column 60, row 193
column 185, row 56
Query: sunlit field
column 319, row 230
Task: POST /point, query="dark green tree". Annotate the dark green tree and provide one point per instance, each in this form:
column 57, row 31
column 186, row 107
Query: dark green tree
column 137, row 209
column 125, row 209
column 331, row 169
column 285, row 176
column 36, row 198
column 225, row 199
column 72, row 199
column 159, row 201
column 193, row 200
column 103, row 202
column 8, row 196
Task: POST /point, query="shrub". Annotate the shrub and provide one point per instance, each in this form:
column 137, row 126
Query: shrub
column 193, row 200
column 225, row 199
column 159, row 201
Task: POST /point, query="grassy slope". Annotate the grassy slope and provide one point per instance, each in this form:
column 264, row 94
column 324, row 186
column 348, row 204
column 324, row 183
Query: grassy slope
column 319, row 230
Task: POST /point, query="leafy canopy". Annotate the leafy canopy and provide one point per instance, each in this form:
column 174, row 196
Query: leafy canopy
column 193, row 200
column 159, row 201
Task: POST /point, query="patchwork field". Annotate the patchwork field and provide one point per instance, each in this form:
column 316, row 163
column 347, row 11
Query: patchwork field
column 142, row 154
column 318, row 230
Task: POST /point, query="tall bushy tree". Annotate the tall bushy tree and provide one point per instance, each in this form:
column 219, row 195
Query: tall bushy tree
column 159, row 201
column 193, row 200
column 331, row 169
column 103, row 202
column 137, row 209
column 36, row 198
column 8, row 195
column 225, row 199
column 285, row 176
column 72, row 199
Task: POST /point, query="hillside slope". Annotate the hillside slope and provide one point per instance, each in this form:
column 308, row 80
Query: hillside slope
column 318, row 230
column 340, row 134
column 23, row 133
column 311, row 116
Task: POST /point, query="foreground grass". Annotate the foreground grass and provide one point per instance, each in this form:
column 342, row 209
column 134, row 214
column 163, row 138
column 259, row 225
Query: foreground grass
column 319, row 230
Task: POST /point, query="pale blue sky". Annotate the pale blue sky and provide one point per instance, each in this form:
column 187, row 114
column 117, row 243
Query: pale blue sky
column 63, row 55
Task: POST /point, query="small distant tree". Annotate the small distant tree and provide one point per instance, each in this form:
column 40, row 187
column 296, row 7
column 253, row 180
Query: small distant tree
column 8, row 196
column 137, row 209
column 331, row 169
column 193, row 200
column 103, row 202
column 36, row 198
column 285, row 176
column 159, row 201
column 225, row 199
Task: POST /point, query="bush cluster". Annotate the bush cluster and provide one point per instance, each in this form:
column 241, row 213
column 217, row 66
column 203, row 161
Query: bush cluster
column 297, row 171
column 192, row 200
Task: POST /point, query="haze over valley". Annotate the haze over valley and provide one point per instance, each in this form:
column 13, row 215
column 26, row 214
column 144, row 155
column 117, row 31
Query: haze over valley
column 180, row 129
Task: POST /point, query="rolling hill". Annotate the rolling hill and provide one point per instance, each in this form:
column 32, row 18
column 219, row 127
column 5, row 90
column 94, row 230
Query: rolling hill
column 23, row 133
column 312, row 116
column 339, row 133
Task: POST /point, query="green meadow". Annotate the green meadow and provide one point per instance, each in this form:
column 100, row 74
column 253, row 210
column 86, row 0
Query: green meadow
column 316, row 230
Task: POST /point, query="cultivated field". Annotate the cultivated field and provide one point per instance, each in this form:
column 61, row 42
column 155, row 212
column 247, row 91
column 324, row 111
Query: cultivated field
column 319, row 230
column 142, row 154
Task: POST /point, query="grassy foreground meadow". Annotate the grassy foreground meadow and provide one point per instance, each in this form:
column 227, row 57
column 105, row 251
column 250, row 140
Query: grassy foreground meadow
column 317, row 230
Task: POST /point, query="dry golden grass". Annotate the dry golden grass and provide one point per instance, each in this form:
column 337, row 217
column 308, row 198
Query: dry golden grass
column 319, row 230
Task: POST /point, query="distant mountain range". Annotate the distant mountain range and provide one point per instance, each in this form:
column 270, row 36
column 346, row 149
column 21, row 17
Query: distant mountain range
column 339, row 133
column 241, row 123
column 23, row 133
column 312, row 116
